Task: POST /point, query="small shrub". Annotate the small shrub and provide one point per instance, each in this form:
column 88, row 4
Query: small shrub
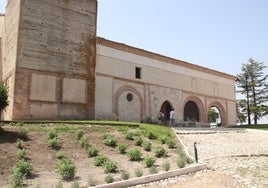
column 151, row 135
column 181, row 162
column 84, row 142
column 22, row 153
column 19, row 143
column 171, row 143
column 163, row 139
column 100, row 160
column 138, row 141
column 149, row 161
column 160, row 152
column 129, row 136
column 52, row 134
column 92, row 182
column 138, row 172
column 109, row 178
column 59, row 185
column 134, row 155
column 75, row 184
column 147, row 146
column 110, row 141
column 54, row 143
column 92, row 152
column 60, row 155
column 166, row 166
column 66, row 169
column 17, row 179
column 122, row 148
column 23, row 168
column 154, row 170
column 79, row 134
column 105, row 135
column 23, row 134
column 109, row 166
column 125, row 175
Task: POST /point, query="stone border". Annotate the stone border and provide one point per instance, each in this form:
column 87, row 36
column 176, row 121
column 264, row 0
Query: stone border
column 155, row 177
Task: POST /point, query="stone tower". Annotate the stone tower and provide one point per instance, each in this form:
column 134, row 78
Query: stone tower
column 48, row 59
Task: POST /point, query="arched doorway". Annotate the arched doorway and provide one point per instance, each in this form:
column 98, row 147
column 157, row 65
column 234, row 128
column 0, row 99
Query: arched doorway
column 191, row 111
column 219, row 109
column 165, row 109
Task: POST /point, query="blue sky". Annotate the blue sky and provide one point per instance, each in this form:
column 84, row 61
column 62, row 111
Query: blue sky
column 217, row 34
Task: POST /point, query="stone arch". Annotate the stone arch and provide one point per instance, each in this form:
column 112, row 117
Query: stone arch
column 166, row 108
column 128, row 104
column 221, row 109
column 193, row 109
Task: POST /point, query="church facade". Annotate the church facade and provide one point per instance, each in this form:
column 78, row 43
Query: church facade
column 56, row 68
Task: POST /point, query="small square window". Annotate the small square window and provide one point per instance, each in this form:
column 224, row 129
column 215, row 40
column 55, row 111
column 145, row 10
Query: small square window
column 138, row 73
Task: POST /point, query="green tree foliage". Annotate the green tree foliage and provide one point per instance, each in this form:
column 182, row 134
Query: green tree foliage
column 253, row 83
column 3, row 97
column 212, row 115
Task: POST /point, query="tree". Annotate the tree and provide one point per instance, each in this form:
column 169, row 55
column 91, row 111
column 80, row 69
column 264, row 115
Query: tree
column 241, row 110
column 3, row 97
column 253, row 84
column 212, row 115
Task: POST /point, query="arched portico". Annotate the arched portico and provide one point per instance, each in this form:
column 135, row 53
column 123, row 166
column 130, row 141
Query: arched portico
column 193, row 109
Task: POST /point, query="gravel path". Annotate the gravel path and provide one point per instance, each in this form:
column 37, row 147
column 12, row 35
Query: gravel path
column 236, row 158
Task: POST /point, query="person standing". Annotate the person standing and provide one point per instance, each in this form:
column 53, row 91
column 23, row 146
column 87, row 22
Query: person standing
column 172, row 117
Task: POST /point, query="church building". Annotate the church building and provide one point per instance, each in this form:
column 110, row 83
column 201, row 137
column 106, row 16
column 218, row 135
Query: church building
column 56, row 68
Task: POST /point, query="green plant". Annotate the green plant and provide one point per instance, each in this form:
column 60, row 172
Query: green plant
column 151, row 135
column 109, row 178
column 147, row 146
column 154, row 170
column 60, row 155
column 79, row 134
column 66, row 169
column 23, row 134
column 181, row 162
column 22, row 168
column 171, row 143
column 129, row 136
column 109, row 166
column 163, row 139
column 134, row 154
column 138, row 172
column 149, row 161
column 100, row 160
column 54, row 143
column 3, row 96
column 105, row 135
column 166, row 166
column 122, row 148
column 19, row 143
column 75, row 184
column 52, row 134
column 59, row 185
column 138, row 141
column 84, row 142
column 92, row 182
column 22, row 153
column 17, row 179
column 125, row 175
column 92, row 151
column 160, row 152
column 110, row 141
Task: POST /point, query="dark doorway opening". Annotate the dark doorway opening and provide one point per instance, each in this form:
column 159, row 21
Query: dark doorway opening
column 191, row 111
column 165, row 109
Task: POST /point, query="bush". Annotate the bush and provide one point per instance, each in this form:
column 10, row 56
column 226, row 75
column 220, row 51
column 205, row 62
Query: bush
column 110, row 141
column 138, row 172
column 92, row 152
column 151, row 135
column 19, row 143
column 22, row 153
column 66, row 169
column 100, row 160
column 125, row 175
column 138, row 141
column 122, row 148
column 3, row 97
column 147, row 146
column 109, row 178
column 129, row 136
column 54, row 143
column 166, row 166
column 109, row 166
column 160, row 152
column 60, row 155
column 171, row 143
column 181, row 162
column 84, row 142
column 92, row 182
column 23, row 134
column 79, row 134
column 154, row 170
column 23, row 167
column 52, row 134
column 163, row 139
column 134, row 155
column 75, row 184
column 149, row 161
